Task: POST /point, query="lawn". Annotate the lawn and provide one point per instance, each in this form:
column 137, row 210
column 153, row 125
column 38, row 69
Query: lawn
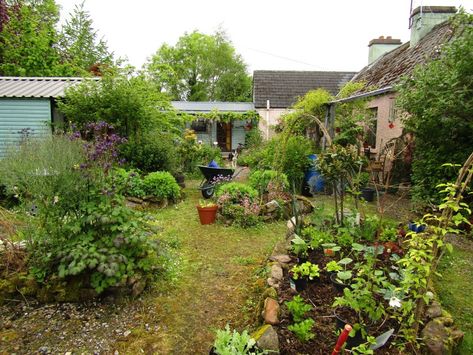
column 219, row 270
column 455, row 289
column 217, row 273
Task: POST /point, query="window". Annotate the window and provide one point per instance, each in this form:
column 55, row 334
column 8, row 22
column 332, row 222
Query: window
column 372, row 127
column 199, row 125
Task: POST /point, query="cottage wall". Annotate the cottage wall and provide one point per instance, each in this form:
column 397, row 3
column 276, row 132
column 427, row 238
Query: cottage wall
column 272, row 116
column 386, row 113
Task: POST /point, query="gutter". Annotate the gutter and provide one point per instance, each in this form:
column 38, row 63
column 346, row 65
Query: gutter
column 363, row 95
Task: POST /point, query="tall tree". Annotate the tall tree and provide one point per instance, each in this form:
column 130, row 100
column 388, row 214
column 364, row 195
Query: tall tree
column 201, row 67
column 79, row 44
column 28, row 37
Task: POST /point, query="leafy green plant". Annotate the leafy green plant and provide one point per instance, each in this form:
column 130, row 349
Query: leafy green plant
column 152, row 151
column 303, row 330
column 261, row 179
column 128, row 182
column 439, row 99
column 299, row 246
column 298, row 308
column 236, row 192
column 234, row 343
column 333, row 266
column 344, row 275
column 206, row 203
column 306, row 269
column 191, row 154
column 316, row 236
column 161, row 185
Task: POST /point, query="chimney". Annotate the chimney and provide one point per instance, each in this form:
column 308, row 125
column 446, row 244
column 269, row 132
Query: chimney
column 380, row 46
column 424, row 18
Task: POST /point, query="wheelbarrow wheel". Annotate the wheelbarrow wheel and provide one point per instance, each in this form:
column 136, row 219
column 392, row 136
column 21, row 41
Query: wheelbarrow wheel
column 208, row 190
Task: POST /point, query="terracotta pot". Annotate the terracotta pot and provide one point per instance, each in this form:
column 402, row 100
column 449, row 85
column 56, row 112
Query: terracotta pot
column 329, row 252
column 207, row 215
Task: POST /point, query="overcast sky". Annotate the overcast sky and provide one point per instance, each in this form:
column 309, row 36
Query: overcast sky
column 269, row 34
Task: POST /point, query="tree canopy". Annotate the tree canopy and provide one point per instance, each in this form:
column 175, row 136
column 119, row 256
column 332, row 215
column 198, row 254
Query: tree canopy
column 201, row 67
column 30, row 44
column 79, row 45
column 439, row 100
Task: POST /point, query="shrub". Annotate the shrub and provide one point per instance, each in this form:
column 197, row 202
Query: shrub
column 153, row 152
column 108, row 241
column 192, row 154
column 237, row 202
column 79, row 226
column 260, row 179
column 42, row 169
column 236, row 192
column 128, row 182
column 162, row 185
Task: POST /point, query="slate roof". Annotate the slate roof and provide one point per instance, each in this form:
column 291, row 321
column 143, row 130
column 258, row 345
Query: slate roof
column 209, row 106
column 389, row 68
column 37, row 87
column 283, row 88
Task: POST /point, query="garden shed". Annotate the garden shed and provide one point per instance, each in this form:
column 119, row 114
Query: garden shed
column 221, row 122
column 28, row 104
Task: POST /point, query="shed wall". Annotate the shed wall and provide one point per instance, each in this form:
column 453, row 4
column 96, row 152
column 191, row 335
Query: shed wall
column 19, row 114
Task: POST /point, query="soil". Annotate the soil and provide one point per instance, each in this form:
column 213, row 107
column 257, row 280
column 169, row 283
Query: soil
column 321, row 295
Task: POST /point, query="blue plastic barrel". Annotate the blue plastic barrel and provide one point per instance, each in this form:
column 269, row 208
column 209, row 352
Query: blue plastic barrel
column 312, row 178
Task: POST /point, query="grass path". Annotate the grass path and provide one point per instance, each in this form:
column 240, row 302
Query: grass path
column 218, row 273
column 455, row 288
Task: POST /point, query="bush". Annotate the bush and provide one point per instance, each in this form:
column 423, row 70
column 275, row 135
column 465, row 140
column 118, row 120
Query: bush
column 261, row 179
column 108, row 242
column 192, row 154
column 236, row 192
column 237, row 203
column 162, row 185
column 128, row 182
column 285, row 153
column 78, row 227
column 41, row 171
column 153, row 152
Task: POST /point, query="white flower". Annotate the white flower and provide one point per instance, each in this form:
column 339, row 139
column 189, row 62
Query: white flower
column 429, row 294
column 56, row 200
column 395, row 302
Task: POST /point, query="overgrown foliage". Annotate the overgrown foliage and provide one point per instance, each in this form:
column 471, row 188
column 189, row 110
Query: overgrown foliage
column 438, row 98
column 78, row 224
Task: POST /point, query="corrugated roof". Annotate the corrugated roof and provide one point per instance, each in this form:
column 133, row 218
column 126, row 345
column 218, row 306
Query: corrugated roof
column 208, row 106
column 388, row 69
column 36, row 86
column 283, row 88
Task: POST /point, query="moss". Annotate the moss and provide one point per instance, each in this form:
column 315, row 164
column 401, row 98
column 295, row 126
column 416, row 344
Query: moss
column 8, row 335
column 259, row 333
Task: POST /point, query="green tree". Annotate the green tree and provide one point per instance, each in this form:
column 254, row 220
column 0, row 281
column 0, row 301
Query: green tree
column 28, row 38
column 132, row 105
column 79, row 45
column 439, row 100
column 201, row 67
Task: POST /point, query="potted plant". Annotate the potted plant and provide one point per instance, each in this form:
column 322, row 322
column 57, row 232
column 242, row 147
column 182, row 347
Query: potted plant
column 330, row 249
column 207, row 211
column 299, row 275
column 339, row 274
column 300, row 248
column 367, row 193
